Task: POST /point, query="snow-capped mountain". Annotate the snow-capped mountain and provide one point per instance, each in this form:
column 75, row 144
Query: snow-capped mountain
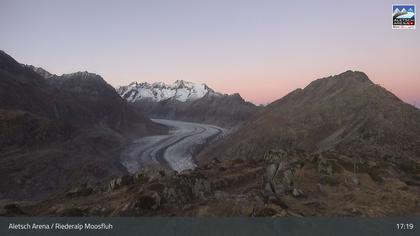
column 188, row 101
column 180, row 90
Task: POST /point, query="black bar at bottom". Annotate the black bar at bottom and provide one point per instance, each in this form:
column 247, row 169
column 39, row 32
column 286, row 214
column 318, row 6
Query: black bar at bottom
column 209, row 226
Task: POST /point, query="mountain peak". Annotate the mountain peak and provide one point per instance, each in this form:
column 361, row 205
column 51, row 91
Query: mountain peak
column 9, row 63
column 179, row 82
column 180, row 90
column 346, row 113
column 344, row 80
column 358, row 75
column 40, row 71
column 81, row 74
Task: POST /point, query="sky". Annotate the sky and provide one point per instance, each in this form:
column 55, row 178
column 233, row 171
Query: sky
column 260, row 49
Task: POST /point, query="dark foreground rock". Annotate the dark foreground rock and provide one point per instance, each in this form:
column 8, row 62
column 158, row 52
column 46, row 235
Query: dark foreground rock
column 282, row 183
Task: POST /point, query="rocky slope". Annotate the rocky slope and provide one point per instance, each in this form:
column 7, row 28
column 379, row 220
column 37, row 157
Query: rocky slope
column 279, row 184
column 347, row 113
column 60, row 131
column 81, row 98
column 188, row 102
column 103, row 103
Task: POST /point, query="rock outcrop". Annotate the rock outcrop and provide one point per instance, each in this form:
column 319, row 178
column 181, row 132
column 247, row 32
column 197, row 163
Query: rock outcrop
column 282, row 183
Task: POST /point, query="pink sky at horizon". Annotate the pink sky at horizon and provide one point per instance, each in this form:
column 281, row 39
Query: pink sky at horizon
column 258, row 49
column 275, row 87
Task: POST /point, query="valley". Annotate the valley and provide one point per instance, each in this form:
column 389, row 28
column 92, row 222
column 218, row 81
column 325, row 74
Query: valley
column 175, row 150
column 72, row 145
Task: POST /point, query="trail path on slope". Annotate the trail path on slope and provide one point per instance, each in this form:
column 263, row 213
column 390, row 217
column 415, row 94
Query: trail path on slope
column 174, row 150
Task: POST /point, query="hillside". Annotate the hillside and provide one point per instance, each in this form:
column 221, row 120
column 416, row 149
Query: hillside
column 346, row 113
column 60, row 131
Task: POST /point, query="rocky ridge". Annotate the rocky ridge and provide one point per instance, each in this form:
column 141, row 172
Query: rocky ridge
column 280, row 183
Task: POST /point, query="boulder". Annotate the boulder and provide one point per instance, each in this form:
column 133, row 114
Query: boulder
column 186, row 187
column 149, row 201
column 200, row 188
column 325, row 166
column 278, row 178
column 120, row 181
column 275, row 156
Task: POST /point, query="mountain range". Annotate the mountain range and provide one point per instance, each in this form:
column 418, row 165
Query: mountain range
column 180, row 90
column 341, row 146
column 61, row 131
column 188, row 101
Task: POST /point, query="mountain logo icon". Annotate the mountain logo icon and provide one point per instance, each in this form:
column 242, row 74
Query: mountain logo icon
column 403, row 16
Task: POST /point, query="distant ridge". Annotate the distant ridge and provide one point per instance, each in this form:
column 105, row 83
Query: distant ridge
column 180, row 90
column 188, row 101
